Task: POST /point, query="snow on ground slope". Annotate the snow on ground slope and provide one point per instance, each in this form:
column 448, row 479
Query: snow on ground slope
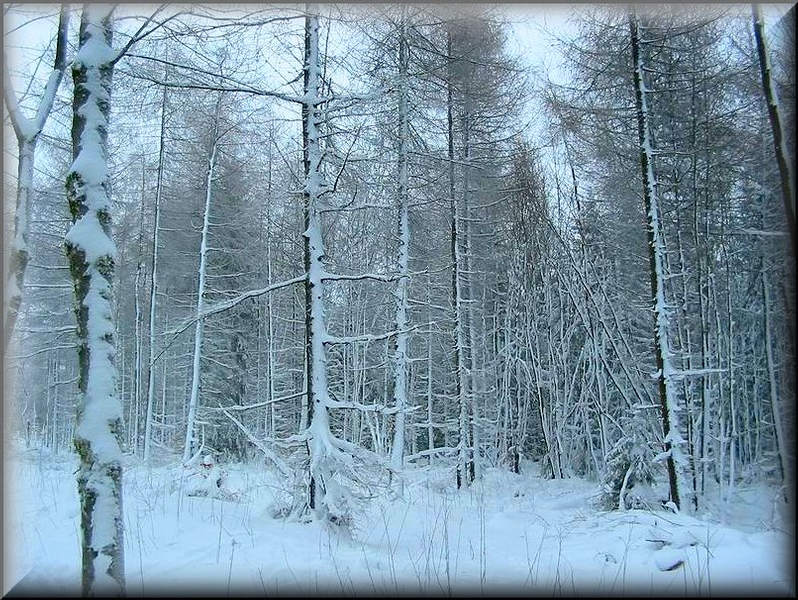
column 507, row 534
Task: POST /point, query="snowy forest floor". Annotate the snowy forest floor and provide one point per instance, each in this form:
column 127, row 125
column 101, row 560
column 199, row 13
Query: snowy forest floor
column 515, row 534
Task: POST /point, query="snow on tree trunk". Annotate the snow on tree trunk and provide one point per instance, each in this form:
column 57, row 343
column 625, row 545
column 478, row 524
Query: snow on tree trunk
column 318, row 432
column 91, row 254
column 154, row 286
column 135, row 404
column 459, row 350
column 656, row 251
column 400, row 356
column 199, row 327
column 468, row 315
column 27, row 133
column 18, row 253
column 272, row 423
column 133, row 421
column 430, row 427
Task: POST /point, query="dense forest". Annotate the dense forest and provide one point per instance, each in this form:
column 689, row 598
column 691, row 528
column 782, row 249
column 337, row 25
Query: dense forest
column 355, row 246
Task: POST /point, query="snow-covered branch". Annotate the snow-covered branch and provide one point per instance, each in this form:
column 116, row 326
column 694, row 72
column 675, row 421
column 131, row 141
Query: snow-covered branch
column 373, row 276
column 233, row 302
column 330, row 339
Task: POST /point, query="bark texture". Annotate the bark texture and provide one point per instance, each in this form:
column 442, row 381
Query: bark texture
column 91, row 253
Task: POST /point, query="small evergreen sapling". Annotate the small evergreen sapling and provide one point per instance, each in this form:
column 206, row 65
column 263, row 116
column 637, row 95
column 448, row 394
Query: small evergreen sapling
column 628, row 464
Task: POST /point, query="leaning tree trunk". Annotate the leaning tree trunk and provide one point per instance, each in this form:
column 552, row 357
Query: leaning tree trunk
column 91, row 253
column 656, row 252
column 18, row 253
column 779, row 137
column 27, row 133
column 199, row 327
column 783, row 159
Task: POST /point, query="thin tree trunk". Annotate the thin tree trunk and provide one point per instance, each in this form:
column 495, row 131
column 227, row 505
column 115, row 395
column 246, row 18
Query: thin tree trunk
column 401, row 319
column 269, row 309
column 775, row 404
column 133, row 424
column 459, row 362
column 154, row 286
column 188, row 448
column 468, row 321
column 656, row 252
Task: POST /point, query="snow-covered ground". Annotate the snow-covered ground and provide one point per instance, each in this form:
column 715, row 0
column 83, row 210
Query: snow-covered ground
column 509, row 533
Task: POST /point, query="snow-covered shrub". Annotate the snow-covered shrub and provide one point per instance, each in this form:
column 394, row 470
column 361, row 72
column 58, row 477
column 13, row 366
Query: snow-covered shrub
column 349, row 485
column 345, row 509
column 628, row 464
column 210, row 481
column 289, row 501
column 439, row 478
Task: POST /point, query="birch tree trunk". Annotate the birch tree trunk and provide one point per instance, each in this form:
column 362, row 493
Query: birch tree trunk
column 91, row 254
column 656, row 251
column 27, row 133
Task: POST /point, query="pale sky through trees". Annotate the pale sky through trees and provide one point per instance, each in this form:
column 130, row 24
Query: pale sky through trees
column 531, row 35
